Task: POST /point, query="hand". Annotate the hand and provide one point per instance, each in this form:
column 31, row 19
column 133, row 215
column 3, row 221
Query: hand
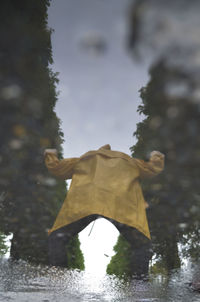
column 156, row 155
column 53, row 151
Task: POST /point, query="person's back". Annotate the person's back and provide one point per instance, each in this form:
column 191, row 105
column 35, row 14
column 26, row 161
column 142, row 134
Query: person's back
column 104, row 183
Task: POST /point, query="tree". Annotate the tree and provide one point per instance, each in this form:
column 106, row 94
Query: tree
column 171, row 126
column 120, row 262
column 74, row 254
column 28, row 126
column 170, row 103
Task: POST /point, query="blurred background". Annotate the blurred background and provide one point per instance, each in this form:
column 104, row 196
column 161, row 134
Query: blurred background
column 76, row 75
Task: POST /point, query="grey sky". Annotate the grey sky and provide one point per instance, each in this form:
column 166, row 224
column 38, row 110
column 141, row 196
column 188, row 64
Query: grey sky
column 98, row 90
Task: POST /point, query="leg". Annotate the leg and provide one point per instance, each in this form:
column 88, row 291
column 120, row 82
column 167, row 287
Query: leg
column 57, row 249
column 59, row 239
column 140, row 249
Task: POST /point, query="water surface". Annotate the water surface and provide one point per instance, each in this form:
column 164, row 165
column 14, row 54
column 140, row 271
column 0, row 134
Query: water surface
column 23, row 282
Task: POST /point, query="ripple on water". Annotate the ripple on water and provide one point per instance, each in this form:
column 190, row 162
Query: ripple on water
column 20, row 281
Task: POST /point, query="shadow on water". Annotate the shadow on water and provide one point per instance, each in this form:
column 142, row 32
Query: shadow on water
column 20, row 281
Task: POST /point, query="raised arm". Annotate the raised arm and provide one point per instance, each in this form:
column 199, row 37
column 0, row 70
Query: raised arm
column 61, row 168
column 154, row 166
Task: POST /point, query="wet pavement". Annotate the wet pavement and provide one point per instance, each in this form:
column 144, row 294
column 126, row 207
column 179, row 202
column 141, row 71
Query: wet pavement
column 23, row 282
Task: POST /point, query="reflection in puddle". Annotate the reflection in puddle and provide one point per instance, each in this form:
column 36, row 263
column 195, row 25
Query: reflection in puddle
column 22, row 282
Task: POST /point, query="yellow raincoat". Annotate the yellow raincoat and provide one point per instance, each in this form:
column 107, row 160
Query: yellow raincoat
column 106, row 183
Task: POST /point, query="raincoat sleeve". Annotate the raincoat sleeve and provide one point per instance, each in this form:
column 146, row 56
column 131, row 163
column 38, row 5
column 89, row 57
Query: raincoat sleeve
column 63, row 169
column 151, row 168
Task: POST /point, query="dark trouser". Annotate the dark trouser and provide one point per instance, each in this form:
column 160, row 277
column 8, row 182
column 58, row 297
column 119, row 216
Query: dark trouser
column 140, row 245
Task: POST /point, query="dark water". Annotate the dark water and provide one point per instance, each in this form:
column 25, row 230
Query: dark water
column 22, row 282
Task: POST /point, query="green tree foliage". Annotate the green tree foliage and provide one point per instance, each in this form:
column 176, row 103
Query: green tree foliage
column 32, row 197
column 171, row 126
column 120, row 262
column 171, row 106
column 74, row 254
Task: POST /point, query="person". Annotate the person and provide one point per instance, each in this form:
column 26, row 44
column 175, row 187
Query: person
column 105, row 183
